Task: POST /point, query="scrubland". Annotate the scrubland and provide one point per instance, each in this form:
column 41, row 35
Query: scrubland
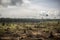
column 49, row 30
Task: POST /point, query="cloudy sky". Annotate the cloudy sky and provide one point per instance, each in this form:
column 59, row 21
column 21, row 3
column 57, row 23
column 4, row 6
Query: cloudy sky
column 32, row 9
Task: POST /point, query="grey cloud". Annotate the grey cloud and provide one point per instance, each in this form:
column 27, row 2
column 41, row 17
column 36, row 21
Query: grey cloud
column 16, row 1
column 26, row 11
column 10, row 2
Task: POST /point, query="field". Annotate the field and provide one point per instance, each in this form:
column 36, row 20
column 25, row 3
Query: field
column 48, row 30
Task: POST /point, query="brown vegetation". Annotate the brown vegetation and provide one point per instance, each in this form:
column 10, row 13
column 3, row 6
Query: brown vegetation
column 31, row 31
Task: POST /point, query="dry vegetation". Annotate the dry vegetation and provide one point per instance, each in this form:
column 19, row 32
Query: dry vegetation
column 49, row 30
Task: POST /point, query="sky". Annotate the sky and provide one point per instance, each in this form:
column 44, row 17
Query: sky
column 38, row 9
column 47, row 3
